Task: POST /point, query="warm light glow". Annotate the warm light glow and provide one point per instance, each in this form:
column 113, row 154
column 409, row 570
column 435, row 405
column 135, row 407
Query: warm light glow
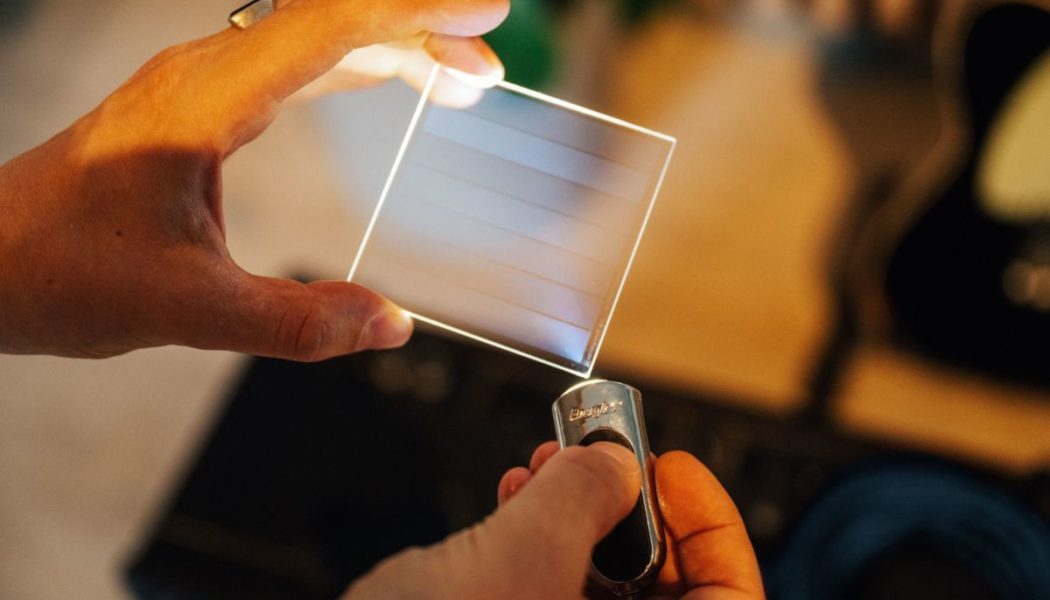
column 1013, row 178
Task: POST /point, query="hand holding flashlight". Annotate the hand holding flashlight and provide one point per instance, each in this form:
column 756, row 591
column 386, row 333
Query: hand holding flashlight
column 708, row 553
column 552, row 514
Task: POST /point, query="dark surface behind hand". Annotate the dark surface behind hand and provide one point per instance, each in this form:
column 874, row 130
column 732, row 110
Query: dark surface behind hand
column 317, row 471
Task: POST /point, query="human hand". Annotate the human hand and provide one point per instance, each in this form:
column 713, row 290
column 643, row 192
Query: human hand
column 112, row 235
column 709, row 555
column 539, row 541
column 412, row 60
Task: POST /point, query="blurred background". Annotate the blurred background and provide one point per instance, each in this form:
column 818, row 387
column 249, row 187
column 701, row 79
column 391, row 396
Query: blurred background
column 841, row 305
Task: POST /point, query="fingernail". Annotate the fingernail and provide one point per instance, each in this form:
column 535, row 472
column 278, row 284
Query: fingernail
column 474, row 80
column 389, row 329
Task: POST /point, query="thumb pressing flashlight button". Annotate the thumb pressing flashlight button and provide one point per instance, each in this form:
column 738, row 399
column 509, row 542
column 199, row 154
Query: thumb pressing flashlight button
column 627, row 559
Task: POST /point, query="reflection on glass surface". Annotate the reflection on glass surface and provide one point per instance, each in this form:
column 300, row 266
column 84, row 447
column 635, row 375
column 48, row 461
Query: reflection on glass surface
column 514, row 221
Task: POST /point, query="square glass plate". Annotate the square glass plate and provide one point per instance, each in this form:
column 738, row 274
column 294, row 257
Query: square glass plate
column 514, row 221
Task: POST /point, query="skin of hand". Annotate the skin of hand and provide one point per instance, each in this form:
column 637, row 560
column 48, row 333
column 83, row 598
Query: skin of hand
column 112, row 235
column 538, row 543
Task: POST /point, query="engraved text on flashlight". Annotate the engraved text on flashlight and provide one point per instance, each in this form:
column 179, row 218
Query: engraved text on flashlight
column 578, row 414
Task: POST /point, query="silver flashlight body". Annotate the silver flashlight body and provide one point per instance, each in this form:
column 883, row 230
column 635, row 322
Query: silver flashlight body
column 630, row 557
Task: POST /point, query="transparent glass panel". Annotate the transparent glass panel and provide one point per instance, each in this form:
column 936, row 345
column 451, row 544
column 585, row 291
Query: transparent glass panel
column 514, row 221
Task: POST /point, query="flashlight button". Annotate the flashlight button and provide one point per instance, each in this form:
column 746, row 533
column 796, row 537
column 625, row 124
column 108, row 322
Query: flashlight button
column 623, row 555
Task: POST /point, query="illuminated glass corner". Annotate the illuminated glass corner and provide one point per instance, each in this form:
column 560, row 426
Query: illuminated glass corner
column 514, row 221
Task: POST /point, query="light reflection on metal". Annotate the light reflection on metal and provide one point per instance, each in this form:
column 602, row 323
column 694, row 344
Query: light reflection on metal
column 251, row 13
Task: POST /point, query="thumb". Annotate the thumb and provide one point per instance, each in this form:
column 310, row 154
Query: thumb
column 305, row 322
column 539, row 544
column 574, row 501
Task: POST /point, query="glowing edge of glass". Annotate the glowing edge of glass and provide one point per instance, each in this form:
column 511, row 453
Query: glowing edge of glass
column 479, row 82
column 634, row 250
column 587, row 111
column 423, row 97
column 485, row 340
column 393, row 170
column 652, row 201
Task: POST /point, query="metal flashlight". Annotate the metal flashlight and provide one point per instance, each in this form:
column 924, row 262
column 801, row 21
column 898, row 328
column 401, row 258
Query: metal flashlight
column 629, row 558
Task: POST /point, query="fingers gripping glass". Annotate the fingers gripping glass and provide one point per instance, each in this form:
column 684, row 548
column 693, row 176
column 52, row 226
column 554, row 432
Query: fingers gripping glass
column 514, row 221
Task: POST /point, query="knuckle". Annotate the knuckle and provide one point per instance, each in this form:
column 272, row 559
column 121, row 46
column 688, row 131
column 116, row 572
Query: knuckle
column 165, row 56
column 594, row 479
column 413, row 557
column 480, row 545
column 590, row 468
column 303, row 334
column 168, row 53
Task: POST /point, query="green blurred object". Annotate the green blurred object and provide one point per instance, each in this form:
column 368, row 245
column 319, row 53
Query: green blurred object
column 527, row 44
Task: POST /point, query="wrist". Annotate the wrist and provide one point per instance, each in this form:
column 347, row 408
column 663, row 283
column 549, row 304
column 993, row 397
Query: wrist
column 28, row 233
column 13, row 234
